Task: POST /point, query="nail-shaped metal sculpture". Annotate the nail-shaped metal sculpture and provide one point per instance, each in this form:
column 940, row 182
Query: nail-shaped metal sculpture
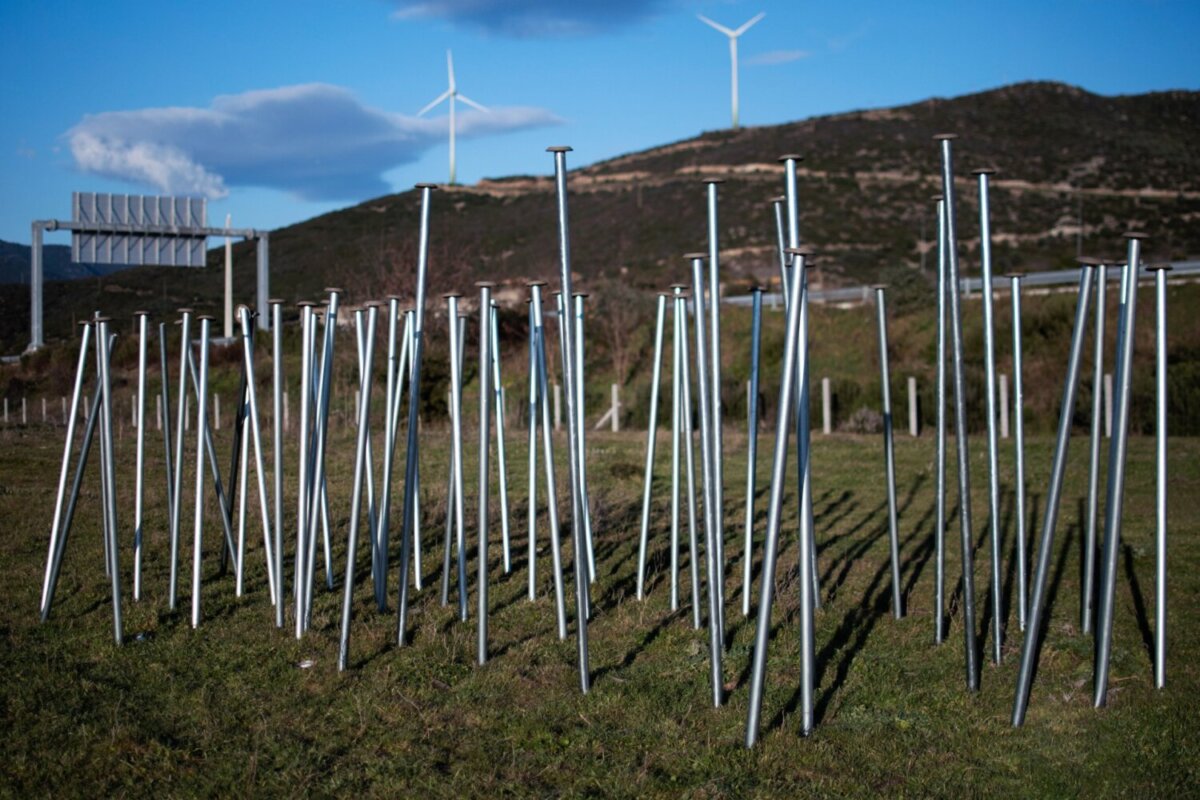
column 379, row 547
column 574, row 459
column 651, row 432
column 889, row 456
column 276, row 306
column 455, row 515
column 201, row 436
column 485, row 400
column 1029, row 652
column 989, row 363
column 408, row 529
column 580, row 420
column 143, row 323
column 361, row 469
column 185, row 344
column 1115, row 494
column 318, row 498
column 781, row 244
column 716, row 429
column 165, row 419
column 807, row 545
column 751, row 445
column 76, row 393
column 1019, row 447
column 531, row 511
column 945, row 140
column 302, row 491
column 1160, row 474
column 716, row 635
column 939, row 591
column 784, row 420
column 1087, row 585
column 501, row 460
column 685, row 410
column 108, row 467
column 246, row 321
column 535, row 301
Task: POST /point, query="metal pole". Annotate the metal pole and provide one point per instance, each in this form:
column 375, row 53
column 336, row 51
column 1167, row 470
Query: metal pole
column 535, row 299
column 185, row 344
column 306, row 376
column 675, row 434
column 501, row 461
column 379, row 551
column 574, row 459
column 577, row 366
column 989, row 360
column 1053, row 497
column 1019, row 444
column 239, row 566
column 245, row 316
column 456, row 524
column 685, row 402
column 939, row 592
column 485, row 391
column 717, row 428
column 751, row 445
column 651, row 431
column 143, row 343
column 276, row 306
column 372, row 508
column 783, row 421
column 76, row 392
column 945, row 141
column 317, row 478
column 108, row 466
column 361, row 466
column 716, row 635
column 532, row 477
column 1114, row 496
column 889, row 455
column 201, row 431
column 809, row 591
column 409, row 529
column 1160, row 485
column 1087, row 588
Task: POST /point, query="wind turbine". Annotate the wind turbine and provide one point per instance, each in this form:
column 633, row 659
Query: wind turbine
column 733, row 59
column 451, row 94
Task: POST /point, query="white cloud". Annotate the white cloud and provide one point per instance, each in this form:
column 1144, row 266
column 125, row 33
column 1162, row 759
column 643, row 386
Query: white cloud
column 315, row 141
column 775, row 57
column 533, row 18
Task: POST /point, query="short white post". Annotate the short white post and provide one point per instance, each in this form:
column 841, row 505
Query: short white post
column 826, row 407
column 84, row 408
column 217, row 410
column 557, row 407
column 44, row 417
column 24, row 416
column 913, row 425
column 1108, row 403
column 158, row 411
column 133, row 409
column 187, row 412
column 616, row 407
column 287, row 417
column 64, row 409
column 1003, row 406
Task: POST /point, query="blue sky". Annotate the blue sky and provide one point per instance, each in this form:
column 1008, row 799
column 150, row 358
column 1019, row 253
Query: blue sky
column 279, row 111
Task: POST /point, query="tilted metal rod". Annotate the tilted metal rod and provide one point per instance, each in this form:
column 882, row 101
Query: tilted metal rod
column 1160, row 475
column 651, row 431
column 751, row 447
column 143, row 323
column 201, row 436
column 277, row 445
column 889, row 456
column 939, row 592
column 485, row 400
column 1087, row 585
column 108, row 467
column 716, row 429
column 1019, row 447
column 685, row 403
column 501, row 461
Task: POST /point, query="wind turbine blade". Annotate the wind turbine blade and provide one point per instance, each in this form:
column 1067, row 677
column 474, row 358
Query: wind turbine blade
column 450, row 69
column 757, row 19
column 439, row 99
column 716, row 25
column 471, row 102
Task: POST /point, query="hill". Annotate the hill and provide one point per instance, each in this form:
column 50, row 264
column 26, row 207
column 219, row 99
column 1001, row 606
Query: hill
column 1064, row 155
column 56, row 264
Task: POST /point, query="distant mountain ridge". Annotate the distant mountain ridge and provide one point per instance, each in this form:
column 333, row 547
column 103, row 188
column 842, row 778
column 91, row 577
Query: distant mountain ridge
column 56, row 264
column 1064, row 156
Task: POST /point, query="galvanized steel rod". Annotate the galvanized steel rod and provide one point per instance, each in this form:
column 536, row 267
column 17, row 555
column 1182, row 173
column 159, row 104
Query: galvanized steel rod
column 201, row 431
column 939, row 592
column 1160, row 475
column 1087, row 587
column 1019, row 446
column 165, row 393
column 548, row 458
column 276, row 307
column 408, row 529
column 501, row 460
column 574, row 459
column 379, row 543
column 751, row 446
column 889, row 456
column 1115, row 494
column 766, row 590
column 531, row 478
column 108, row 466
column 580, row 419
column 807, row 544
column 185, row 343
column 675, row 434
column 651, row 431
column 989, row 361
column 1029, row 651
column 685, row 361
column 139, row 483
column 716, row 428
column 485, row 400
column 368, row 456
column 361, row 469
column 306, row 379
column 246, row 316
column 716, row 634
column 960, row 415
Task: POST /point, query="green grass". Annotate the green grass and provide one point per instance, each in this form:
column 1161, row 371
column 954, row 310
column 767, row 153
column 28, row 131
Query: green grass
column 226, row 709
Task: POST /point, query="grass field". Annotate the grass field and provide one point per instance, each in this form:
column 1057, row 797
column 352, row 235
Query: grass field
column 228, row 709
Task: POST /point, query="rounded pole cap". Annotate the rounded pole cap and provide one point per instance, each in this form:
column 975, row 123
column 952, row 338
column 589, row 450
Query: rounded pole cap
column 677, row 286
column 580, row 294
column 713, row 181
column 305, row 304
column 1137, row 235
column 448, row 295
column 559, row 148
column 945, row 137
column 1091, row 261
column 1014, row 276
column 1158, row 267
column 373, row 304
column 141, row 313
column 485, row 284
column 276, row 301
column 206, row 318
column 790, row 157
column 333, row 290
column 425, row 186
column 536, row 282
column 694, row 256
column 879, row 287
column 185, row 310
column 802, row 250
column 984, row 171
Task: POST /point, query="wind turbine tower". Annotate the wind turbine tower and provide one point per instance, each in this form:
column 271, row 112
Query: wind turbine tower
column 451, row 94
column 733, row 57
